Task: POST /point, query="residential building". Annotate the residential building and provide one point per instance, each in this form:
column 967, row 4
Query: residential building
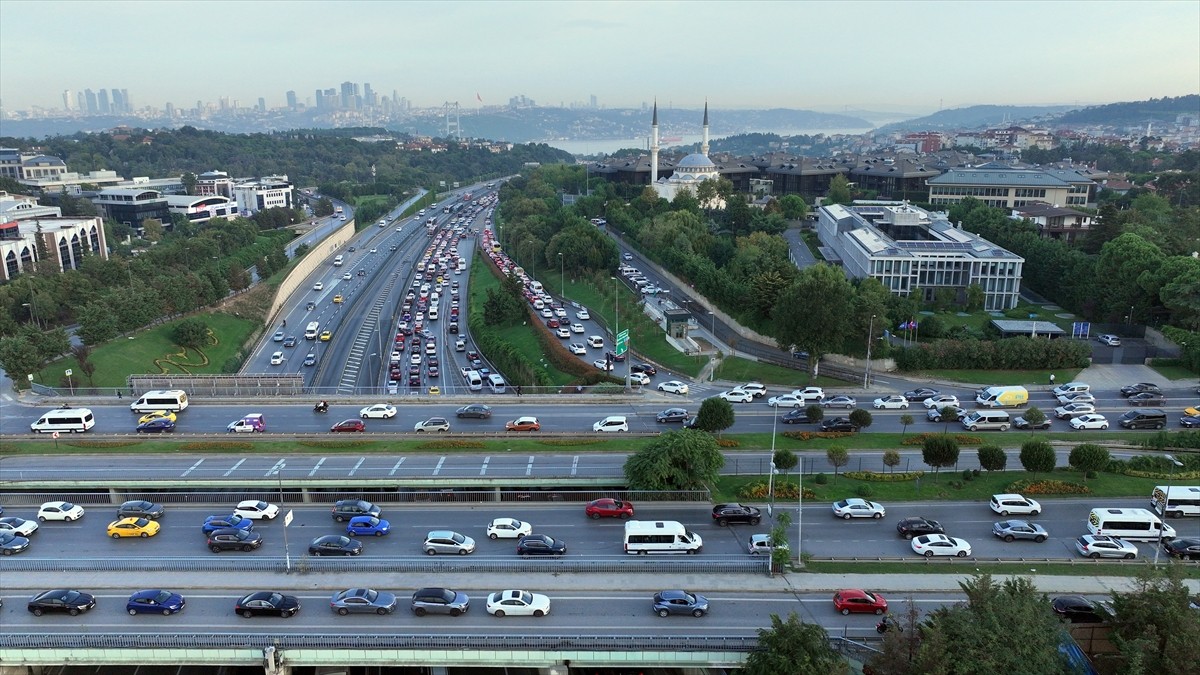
column 1011, row 187
column 896, row 178
column 1055, row 222
column 264, row 193
column 65, row 240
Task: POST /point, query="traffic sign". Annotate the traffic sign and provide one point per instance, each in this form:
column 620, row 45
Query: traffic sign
column 622, row 342
column 287, row 518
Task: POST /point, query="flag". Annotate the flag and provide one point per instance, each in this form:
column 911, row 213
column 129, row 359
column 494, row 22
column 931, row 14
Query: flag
column 478, row 97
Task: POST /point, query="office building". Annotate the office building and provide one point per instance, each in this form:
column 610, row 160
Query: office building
column 65, row 240
column 1009, row 187
column 264, row 193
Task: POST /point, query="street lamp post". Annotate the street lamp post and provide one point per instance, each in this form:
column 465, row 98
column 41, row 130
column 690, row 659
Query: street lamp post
column 771, row 478
column 1163, row 515
column 713, row 334
column 287, row 518
column 562, row 283
column 867, row 372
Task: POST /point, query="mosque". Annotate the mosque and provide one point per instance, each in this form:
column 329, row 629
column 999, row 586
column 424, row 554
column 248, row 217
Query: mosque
column 690, row 170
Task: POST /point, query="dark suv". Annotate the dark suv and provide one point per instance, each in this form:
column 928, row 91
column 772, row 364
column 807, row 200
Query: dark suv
column 724, row 514
column 349, row 508
column 439, row 601
column 233, row 539
column 1147, row 418
column 839, row 424
column 914, row 527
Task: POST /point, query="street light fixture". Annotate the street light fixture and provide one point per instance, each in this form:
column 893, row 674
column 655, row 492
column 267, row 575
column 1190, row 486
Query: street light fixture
column 1162, row 520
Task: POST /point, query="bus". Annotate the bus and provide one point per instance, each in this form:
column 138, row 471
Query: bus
column 172, row 399
column 310, row 333
column 1132, row 524
column 1176, row 501
column 660, row 536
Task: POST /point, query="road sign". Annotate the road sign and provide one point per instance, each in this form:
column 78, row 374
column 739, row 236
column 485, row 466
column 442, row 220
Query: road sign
column 287, row 519
column 622, row 342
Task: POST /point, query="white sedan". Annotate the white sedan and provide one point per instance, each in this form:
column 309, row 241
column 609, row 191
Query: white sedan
column 582, row 315
column 563, row 333
column 256, row 510
column 277, row 359
column 736, row 396
column 603, row 365
column 508, row 528
column 18, row 526
column 858, row 508
column 547, row 313
column 941, row 401
column 60, row 511
column 1094, row 421
column 895, row 401
column 576, row 328
column 518, row 603
column 930, row 545
column 674, row 387
column 786, row 401
column 577, row 349
column 379, row 411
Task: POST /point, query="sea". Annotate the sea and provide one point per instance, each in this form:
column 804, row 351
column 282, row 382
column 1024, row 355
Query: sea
column 609, row 145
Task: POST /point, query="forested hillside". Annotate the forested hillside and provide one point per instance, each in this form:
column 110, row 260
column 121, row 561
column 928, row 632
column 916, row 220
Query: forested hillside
column 1164, row 109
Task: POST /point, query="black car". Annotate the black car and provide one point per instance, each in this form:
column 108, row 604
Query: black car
column 1184, row 549
column 140, row 508
column 267, row 603
column 796, row 416
column 916, row 526
column 920, row 394
column 348, row 508
column 540, row 544
column 1148, row 398
column 1132, row 389
column 233, row 539
column 11, row 542
column 690, row 422
column 475, row 410
column 724, row 514
column 62, row 600
column 335, row 544
column 160, row 425
column 1189, row 422
column 1022, row 423
column 839, row 424
column 671, row 415
column 1078, row 609
column 644, row 368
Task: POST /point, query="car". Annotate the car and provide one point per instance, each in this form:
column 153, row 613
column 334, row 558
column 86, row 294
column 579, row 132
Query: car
column 786, row 401
column 447, row 541
column 1072, row 410
column 930, row 545
column 527, row 423
column 1109, row 339
column 517, row 603
column 310, row 306
column 1010, row 530
column 18, row 526
column 1139, row 387
column 548, row 313
column 796, row 416
column 893, row 402
column 378, row 411
column 318, row 286
column 63, row 600
column 507, row 528
column 640, row 379
column 1076, row 397
column 723, row 514
column 474, row 411
column 11, row 542
column 607, row 507
column 847, row 402
column 761, row 543
column 347, row 509
column 161, row 425
column 582, row 315
column 326, row 336
column 1014, row 504
column 231, row 521
column 432, row 424
column 335, row 544
column 346, row 276
column 1078, row 609
column 157, row 415
column 603, row 364
column 362, row 526
column 1147, row 398
column 611, row 423
column 65, row 511
column 233, row 539
column 267, row 603
column 374, row 250
column 595, row 342
column 576, row 328
column 666, row 603
column 338, row 299
column 921, row 394
column 947, row 414
column 1190, row 421
column 310, row 360
column 277, row 337
column 540, row 544
column 1095, row 421
column 554, row 324
column 277, row 359
column 809, row 394
column 1103, row 546
column 577, row 349
column 756, row 389
column 290, row 341
column 348, row 426
column 671, row 415
column 857, row 601
column 855, row 507
column 1022, row 423
column 156, row 601
column 673, row 387
column 256, row 510
column 133, row 527
column 736, row 396
column 363, row 601
column 646, row 368
column 439, row 601
column 839, row 424
column 941, row 401
column 917, row 526
column 1184, row 548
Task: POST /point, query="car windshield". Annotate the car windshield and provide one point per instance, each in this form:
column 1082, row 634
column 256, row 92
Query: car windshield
column 162, row 597
column 458, row 538
column 369, row 594
column 70, row 596
column 242, row 534
column 526, row 597
column 276, row 599
column 67, row 506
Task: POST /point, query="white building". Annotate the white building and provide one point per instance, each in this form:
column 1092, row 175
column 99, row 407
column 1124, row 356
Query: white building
column 265, row 193
column 199, row 209
column 66, row 241
column 689, row 172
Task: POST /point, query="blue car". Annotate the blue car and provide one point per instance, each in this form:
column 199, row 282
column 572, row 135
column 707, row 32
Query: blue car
column 214, row 523
column 363, row 526
column 155, row 602
column 156, row 426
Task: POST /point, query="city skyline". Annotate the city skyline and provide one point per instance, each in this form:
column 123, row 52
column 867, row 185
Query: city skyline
column 435, row 52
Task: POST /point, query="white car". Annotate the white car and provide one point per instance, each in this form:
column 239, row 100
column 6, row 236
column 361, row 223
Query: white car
column 378, row 411
column 1094, row 421
column 60, row 511
column 518, row 603
column 603, row 365
column 582, row 315
column 786, row 401
column 755, row 389
column 930, row 545
column 595, row 342
column 415, row 359
column 374, row 250
column 858, row 508
column 318, row 286
column 1076, row 397
column 639, row 378
column 612, row 423
column 674, row 387
column 563, row 333
column 1110, row 340
column 508, row 528
column 277, row 359
column 256, row 510
column 577, row 349
column 941, row 401
column 576, row 328
column 547, row 313
column 346, row 276
column 560, row 312
column 18, row 526
column 809, row 394
column 1014, row 504
column 736, row 396
column 895, row 401
column 1070, row 410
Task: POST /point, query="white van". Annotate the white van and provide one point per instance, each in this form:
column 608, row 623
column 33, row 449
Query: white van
column 338, row 261
column 474, row 380
column 987, row 419
column 535, row 286
column 661, row 536
column 496, row 382
column 74, row 420
column 1176, row 501
column 171, row 399
column 1133, row 524
column 310, row 333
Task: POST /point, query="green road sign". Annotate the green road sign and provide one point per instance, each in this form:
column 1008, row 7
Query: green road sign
column 622, row 342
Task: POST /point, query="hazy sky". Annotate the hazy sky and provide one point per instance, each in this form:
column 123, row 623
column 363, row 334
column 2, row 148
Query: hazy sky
column 907, row 56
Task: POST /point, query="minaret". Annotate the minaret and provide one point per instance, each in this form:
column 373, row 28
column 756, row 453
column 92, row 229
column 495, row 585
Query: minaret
column 654, row 145
column 704, row 143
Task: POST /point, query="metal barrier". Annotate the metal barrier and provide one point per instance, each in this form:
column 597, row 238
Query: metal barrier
column 293, row 495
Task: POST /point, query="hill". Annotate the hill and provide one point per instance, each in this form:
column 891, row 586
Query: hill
column 1135, row 112
column 976, row 116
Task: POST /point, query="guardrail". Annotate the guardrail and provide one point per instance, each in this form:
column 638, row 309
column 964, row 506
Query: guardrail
column 969, row 561
column 290, row 495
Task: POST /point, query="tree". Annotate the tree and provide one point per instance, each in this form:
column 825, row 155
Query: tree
column 839, row 190
column 795, row 648
column 891, row 459
column 152, row 229
column 188, row 179
column 715, row 415
column 1034, row 416
column 685, row 459
column 18, row 358
column 97, row 323
column 779, row 541
column 861, row 418
column 838, row 457
column 82, row 352
column 906, row 421
column 785, row 460
column 190, row 333
column 1037, row 456
column 1088, row 457
column 814, row 413
column 975, row 297
column 939, row 451
column 900, row 646
column 1153, row 626
column 992, row 458
column 811, row 313
column 793, row 206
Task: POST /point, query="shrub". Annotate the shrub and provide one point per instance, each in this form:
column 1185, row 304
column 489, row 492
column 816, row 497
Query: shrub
column 728, row 443
column 1047, row 487
column 864, row 491
column 821, row 478
column 956, row 484
column 809, row 435
column 963, row 439
column 884, row 477
column 783, row 490
column 1091, row 475
column 565, row 442
column 336, row 444
column 967, row 475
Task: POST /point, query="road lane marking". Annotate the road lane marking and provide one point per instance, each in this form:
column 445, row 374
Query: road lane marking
column 529, row 467
column 317, row 468
column 575, row 465
column 193, row 468
column 438, row 469
column 234, row 467
column 483, row 469
column 396, row 468
column 275, row 470
column 360, row 463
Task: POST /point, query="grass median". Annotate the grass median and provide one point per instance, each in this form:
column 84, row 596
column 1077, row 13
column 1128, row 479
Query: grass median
column 968, row 566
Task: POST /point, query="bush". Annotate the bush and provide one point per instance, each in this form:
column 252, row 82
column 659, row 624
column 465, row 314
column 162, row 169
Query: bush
column 821, row 478
column 1091, row 475
column 783, row 490
column 728, row 443
column 1017, row 353
column 963, row 439
column 967, row 475
column 864, row 491
column 240, row 446
column 884, row 477
column 450, row 444
column 1037, row 456
column 1047, row 487
column 809, row 435
column 565, row 442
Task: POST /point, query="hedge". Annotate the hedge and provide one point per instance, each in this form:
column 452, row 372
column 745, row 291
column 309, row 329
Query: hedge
column 884, row 477
column 217, row 445
column 783, row 490
column 450, row 444
column 1047, row 487
column 1017, row 353
column 962, row 439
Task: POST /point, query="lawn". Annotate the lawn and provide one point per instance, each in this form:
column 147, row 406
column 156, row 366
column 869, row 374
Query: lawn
column 737, row 369
column 999, row 377
column 151, row 351
column 1172, row 370
column 977, row 320
column 1074, row 567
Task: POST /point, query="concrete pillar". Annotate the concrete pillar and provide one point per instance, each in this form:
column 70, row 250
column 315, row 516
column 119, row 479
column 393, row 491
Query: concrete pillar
column 305, row 496
column 496, row 494
column 116, row 496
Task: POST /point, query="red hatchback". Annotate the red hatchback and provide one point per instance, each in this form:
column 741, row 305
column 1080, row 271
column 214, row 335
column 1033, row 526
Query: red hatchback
column 859, row 601
column 608, row 508
column 349, row 425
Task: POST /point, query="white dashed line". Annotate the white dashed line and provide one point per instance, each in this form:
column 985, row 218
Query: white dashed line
column 396, row 468
column 575, row 465
column 317, row 468
column 275, row 470
column 360, row 463
column 193, row 468
column 529, row 467
column 438, row 469
column 235, row 466
column 483, row 469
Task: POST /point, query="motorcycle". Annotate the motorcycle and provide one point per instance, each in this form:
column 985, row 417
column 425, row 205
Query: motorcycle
column 321, row 407
column 886, row 625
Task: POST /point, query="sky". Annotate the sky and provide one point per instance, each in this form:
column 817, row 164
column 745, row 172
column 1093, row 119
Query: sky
column 832, row 56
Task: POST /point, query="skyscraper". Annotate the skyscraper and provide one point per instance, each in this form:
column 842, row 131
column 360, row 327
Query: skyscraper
column 291, row 100
column 262, row 104
column 90, row 97
column 102, row 104
column 67, row 100
column 118, row 102
column 368, row 94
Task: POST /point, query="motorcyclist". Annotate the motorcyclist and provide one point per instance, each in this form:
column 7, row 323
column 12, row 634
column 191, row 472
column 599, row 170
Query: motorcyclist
column 285, row 323
column 321, row 406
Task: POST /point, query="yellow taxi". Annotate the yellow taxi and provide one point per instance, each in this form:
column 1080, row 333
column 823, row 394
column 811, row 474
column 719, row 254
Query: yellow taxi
column 1193, row 411
column 157, row 415
column 326, row 336
column 133, row 527
column 435, row 391
column 337, row 299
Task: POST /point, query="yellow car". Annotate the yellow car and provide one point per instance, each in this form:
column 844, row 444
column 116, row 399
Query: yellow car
column 133, row 527
column 157, row 415
column 1194, row 411
column 337, row 299
column 326, row 336
column 435, row 391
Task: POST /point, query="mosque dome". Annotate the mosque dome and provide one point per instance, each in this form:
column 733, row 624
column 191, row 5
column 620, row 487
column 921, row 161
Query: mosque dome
column 696, row 160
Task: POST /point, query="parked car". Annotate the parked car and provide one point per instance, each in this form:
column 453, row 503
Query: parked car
column 930, row 545
column 1104, row 546
column 1184, row 548
column 1010, row 530
column 1148, row 398
column 607, row 507
column 363, row 601
column 1078, row 609
column 916, row 526
column 1109, row 339
column 267, row 603
column 517, row 603
column 723, row 514
column 857, row 601
column 540, row 544
column 855, row 507
column 671, row 602
column 439, row 601
column 1138, row 388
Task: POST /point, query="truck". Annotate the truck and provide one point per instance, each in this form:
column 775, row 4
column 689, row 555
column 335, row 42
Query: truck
column 1002, row 397
column 310, row 333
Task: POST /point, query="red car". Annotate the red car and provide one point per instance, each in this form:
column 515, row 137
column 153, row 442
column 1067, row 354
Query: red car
column 859, row 601
column 608, row 507
column 349, row 425
column 552, row 323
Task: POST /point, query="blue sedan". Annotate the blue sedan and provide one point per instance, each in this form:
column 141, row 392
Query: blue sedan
column 363, row 526
column 156, row 426
column 214, row 523
column 155, row 602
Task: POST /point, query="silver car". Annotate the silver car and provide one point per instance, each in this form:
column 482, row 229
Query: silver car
column 1104, row 546
column 439, row 601
column 1009, row 530
column 363, row 601
column 446, row 541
